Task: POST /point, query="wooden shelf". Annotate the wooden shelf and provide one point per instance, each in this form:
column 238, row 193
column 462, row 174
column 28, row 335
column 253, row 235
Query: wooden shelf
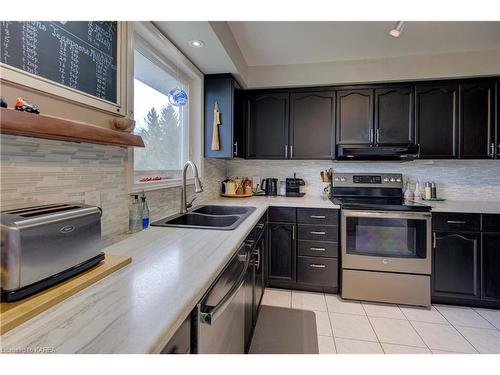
column 51, row 127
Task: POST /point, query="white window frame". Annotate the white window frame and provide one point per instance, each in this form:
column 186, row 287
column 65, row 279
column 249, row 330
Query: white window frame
column 154, row 43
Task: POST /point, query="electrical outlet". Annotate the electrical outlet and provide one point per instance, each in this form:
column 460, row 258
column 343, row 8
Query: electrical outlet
column 255, row 181
column 93, row 198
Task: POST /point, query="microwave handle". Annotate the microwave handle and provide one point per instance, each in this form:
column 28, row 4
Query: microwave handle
column 215, row 312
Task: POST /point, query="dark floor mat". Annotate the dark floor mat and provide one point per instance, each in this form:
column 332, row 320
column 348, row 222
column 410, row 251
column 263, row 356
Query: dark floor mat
column 285, row 331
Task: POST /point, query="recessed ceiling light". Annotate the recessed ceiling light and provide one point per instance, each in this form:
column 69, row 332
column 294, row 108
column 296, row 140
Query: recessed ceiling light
column 398, row 29
column 196, row 43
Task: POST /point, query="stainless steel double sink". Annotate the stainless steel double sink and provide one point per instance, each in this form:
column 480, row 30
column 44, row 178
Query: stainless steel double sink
column 208, row 217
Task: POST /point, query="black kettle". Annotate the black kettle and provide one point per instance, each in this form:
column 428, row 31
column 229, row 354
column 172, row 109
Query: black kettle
column 270, row 186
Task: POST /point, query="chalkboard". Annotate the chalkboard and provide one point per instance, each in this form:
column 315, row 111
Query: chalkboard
column 78, row 54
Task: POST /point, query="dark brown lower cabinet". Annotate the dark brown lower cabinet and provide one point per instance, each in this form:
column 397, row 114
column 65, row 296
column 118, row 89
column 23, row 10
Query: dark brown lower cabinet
column 466, row 259
column 317, row 271
column 282, row 252
column 455, row 271
column 303, row 249
column 491, row 266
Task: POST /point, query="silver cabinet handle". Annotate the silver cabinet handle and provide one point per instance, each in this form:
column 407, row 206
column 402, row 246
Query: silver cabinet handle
column 317, row 249
column 235, row 152
column 492, row 148
column 317, row 217
column 370, row 136
column 257, row 262
column 434, row 240
column 293, row 232
column 291, row 151
column 260, row 226
column 319, row 233
column 286, row 151
column 377, row 135
column 456, row 222
column 315, row 265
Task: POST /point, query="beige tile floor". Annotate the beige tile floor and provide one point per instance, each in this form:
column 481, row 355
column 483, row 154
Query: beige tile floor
column 364, row 328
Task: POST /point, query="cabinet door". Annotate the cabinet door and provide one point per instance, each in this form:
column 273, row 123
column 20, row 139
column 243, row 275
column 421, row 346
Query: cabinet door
column 437, row 121
column 259, row 279
column 394, row 116
column 491, row 266
column 312, row 125
column 354, row 117
column 239, row 124
column 225, row 91
column 477, row 116
column 497, row 132
column 455, row 270
column 267, row 122
column 281, row 258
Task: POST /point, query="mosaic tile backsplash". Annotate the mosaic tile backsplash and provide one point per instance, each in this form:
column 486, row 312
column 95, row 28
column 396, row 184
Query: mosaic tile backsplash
column 36, row 171
column 456, row 179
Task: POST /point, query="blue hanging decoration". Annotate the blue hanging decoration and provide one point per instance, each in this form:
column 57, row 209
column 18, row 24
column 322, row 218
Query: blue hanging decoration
column 177, row 97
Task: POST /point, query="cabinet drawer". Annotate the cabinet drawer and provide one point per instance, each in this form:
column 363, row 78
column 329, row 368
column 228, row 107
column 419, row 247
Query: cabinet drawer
column 322, row 216
column 318, row 232
column 317, row 271
column 456, row 222
column 318, row 249
column 282, row 214
column 491, row 223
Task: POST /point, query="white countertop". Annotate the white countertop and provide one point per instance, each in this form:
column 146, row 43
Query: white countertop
column 465, row 206
column 138, row 308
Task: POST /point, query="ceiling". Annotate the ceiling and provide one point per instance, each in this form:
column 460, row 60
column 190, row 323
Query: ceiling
column 212, row 58
column 283, row 43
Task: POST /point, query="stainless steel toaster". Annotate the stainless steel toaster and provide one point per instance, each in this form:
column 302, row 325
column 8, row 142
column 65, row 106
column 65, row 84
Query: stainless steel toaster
column 44, row 245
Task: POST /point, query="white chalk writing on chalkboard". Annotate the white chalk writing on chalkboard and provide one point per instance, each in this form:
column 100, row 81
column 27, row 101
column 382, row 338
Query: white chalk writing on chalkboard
column 78, row 54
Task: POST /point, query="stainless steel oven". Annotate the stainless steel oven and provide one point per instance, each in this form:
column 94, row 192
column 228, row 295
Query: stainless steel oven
column 386, row 256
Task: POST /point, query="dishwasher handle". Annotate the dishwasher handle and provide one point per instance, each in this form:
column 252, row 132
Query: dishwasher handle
column 214, row 312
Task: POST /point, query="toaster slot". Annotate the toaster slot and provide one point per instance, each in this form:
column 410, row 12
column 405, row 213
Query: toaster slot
column 42, row 210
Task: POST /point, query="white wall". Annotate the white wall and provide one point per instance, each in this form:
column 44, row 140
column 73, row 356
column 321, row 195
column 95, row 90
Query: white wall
column 465, row 64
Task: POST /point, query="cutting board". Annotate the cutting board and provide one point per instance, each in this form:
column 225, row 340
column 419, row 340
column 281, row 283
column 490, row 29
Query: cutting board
column 13, row 314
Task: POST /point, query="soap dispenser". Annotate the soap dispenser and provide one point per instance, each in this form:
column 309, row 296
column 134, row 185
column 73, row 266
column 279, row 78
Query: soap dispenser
column 135, row 215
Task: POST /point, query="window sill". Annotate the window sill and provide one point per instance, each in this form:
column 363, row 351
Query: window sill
column 153, row 185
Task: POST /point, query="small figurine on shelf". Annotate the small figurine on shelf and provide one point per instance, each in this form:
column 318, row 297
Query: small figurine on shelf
column 24, row 105
column 3, row 103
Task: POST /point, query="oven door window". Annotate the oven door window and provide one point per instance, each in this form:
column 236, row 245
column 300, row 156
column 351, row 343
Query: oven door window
column 386, row 237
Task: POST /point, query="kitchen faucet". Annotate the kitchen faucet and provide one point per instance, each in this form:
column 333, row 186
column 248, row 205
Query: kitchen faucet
column 198, row 186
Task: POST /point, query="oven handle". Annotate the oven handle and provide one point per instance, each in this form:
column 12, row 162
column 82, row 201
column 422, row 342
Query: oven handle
column 388, row 214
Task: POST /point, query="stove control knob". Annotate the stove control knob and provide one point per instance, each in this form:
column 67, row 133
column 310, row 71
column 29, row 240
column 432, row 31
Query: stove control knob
column 342, row 179
column 392, row 179
column 398, row 180
column 337, row 179
column 386, row 179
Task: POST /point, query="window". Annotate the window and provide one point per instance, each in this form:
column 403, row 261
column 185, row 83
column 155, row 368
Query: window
column 172, row 135
column 163, row 127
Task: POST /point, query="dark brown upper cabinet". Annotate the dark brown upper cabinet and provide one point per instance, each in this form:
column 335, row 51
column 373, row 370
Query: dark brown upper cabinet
column 312, row 130
column 355, row 117
column 267, row 125
column 437, row 120
column 477, row 120
column 394, row 116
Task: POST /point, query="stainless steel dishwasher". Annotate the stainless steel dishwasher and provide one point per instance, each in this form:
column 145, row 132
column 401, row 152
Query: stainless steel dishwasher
column 219, row 319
